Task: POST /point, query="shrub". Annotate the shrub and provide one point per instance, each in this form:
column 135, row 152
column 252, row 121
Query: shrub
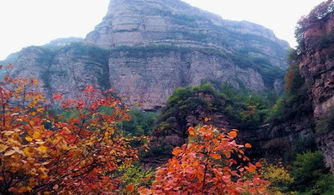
column 310, row 173
column 279, row 177
column 141, row 122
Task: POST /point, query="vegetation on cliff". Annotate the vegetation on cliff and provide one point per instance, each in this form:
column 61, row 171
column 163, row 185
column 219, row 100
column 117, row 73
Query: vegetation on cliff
column 294, row 102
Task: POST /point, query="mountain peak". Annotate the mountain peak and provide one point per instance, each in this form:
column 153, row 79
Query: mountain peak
column 142, row 22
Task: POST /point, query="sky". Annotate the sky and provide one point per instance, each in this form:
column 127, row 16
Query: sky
column 37, row 22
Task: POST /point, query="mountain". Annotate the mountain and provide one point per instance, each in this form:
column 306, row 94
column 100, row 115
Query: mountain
column 146, row 48
column 301, row 120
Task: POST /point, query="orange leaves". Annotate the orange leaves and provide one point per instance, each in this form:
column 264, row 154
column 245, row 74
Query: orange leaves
column 36, row 135
column 247, row 145
column 177, row 151
column 69, row 151
column 251, row 168
column 130, row 188
column 215, row 156
column 191, row 131
column 233, row 133
column 205, row 166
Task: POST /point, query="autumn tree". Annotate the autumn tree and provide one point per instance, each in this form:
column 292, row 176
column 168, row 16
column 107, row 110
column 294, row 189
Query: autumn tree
column 208, row 164
column 73, row 149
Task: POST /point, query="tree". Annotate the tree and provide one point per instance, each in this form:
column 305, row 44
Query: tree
column 207, row 165
column 75, row 148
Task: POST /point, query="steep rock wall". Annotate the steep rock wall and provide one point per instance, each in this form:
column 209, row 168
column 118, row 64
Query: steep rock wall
column 146, row 48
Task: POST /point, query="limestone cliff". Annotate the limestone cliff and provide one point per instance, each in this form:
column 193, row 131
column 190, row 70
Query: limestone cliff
column 146, row 48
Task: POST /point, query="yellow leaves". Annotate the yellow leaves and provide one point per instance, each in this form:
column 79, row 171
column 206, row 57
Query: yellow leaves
column 36, row 135
column 233, row 133
column 42, row 149
column 215, row 156
column 3, row 147
column 28, row 151
column 28, row 138
column 39, row 109
column 277, row 174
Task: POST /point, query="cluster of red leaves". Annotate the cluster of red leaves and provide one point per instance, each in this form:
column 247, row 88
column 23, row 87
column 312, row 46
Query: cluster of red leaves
column 44, row 151
column 207, row 165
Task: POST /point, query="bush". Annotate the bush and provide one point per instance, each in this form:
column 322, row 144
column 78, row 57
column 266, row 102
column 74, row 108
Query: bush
column 141, row 122
column 311, row 176
column 279, row 177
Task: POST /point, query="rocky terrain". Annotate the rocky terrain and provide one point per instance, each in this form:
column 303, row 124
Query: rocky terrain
column 305, row 120
column 145, row 49
column 316, row 63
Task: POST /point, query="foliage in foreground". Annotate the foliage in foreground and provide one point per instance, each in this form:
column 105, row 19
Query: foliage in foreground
column 43, row 151
column 208, row 164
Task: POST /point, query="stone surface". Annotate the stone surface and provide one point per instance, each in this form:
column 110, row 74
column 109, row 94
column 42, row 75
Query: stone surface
column 147, row 48
column 316, row 65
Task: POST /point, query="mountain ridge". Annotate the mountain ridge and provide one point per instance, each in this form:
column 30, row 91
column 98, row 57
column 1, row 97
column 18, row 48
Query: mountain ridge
column 145, row 49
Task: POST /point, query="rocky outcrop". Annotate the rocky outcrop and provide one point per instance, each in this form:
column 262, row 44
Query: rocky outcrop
column 66, row 69
column 316, row 64
column 284, row 140
column 146, row 48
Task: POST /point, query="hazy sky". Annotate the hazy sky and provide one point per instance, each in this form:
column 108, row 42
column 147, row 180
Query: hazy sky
column 37, row 22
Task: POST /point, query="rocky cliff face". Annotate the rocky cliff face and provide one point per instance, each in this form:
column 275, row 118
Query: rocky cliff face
column 66, row 69
column 146, row 48
column 316, row 64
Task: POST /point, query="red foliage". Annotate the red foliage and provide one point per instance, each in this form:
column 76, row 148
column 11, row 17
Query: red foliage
column 205, row 166
column 74, row 150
